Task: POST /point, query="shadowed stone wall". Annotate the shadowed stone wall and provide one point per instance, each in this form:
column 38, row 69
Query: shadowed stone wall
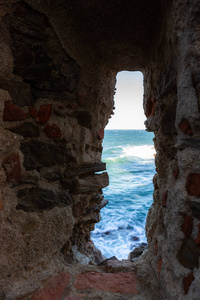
column 59, row 60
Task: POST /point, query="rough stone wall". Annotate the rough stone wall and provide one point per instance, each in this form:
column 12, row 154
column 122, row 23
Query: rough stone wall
column 59, row 60
column 172, row 109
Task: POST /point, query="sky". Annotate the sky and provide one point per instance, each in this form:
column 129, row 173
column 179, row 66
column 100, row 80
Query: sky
column 129, row 113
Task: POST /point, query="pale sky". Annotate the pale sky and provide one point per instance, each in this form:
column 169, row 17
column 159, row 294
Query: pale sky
column 129, row 113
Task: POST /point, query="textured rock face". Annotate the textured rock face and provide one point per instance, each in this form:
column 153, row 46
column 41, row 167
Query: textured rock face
column 57, row 77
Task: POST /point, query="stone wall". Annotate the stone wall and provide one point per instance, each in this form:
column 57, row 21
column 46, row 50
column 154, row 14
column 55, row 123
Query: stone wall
column 59, row 61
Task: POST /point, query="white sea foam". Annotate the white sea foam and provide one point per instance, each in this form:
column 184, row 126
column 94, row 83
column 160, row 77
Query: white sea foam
column 144, row 152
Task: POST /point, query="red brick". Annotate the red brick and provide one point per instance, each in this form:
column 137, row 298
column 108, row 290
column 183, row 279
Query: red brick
column 176, row 172
column 150, row 108
column 1, row 204
column 13, row 113
column 52, row 131
column 187, row 282
column 159, row 265
column 193, row 184
column 101, row 133
column 12, row 167
column 185, row 127
column 187, row 225
column 54, row 288
column 110, row 282
column 32, row 112
column 164, row 199
column 44, row 114
column 197, row 240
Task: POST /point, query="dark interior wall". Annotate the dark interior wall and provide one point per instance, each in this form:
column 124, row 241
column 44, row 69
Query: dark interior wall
column 58, row 66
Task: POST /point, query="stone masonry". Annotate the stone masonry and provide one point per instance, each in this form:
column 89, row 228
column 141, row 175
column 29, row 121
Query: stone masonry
column 59, row 61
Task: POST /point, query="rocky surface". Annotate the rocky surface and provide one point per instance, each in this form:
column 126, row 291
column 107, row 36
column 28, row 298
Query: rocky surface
column 59, row 62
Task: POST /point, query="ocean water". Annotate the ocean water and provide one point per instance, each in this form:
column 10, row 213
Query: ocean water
column 129, row 157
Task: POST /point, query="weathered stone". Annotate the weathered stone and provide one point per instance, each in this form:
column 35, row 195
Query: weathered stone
column 167, row 81
column 104, row 262
column 26, row 129
column 196, row 85
column 54, row 288
column 197, row 240
column 90, row 183
column 44, row 114
column 80, row 97
column 85, row 119
column 96, row 208
column 53, row 176
column 176, row 172
column 13, row 113
column 193, row 184
column 195, row 206
column 168, row 120
column 101, row 133
column 30, row 177
column 137, row 251
column 38, row 154
column 12, row 167
column 115, row 266
column 39, row 58
column 190, row 142
column 187, row 225
column 32, row 112
column 53, row 131
column 188, row 254
column 187, row 281
column 185, row 126
column 117, row 283
column 1, row 204
column 159, row 265
column 164, row 199
column 150, row 107
column 86, row 169
column 40, row 199
column 20, row 92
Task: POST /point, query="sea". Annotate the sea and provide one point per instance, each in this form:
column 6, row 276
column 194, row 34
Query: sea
column 129, row 157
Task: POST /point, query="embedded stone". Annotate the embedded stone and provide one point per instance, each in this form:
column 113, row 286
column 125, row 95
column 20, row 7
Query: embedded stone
column 39, row 154
column 13, row 113
column 115, row 266
column 110, row 282
column 52, row 131
column 193, row 184
column 20, row 92
column 84, row 118
column 1, row 204
column 189, row 253
column 101, row 133
column 185, row 127
column 187, row 281
column 12, row 167
column 187, row 225
column 40, row 199
column 150, row 107
column 44, row 114
column 137, row 251
column 197, row 240
column 72, row 105
column 32, row 112
column 164, row 199
column 195, row 206
column 26, row 129
column 54, row 288
column 90, row 183
column 86, row 169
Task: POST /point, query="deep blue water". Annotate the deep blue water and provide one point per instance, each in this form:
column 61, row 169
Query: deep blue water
column 129, row 157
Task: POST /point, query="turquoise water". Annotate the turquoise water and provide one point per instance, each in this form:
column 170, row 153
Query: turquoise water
column 129, row 157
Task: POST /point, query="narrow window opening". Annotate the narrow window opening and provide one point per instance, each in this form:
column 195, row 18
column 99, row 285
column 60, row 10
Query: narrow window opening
column 129, row 154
